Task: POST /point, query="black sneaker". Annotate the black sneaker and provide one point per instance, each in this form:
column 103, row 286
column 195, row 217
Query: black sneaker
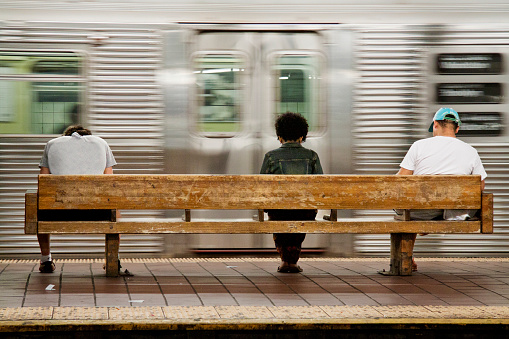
column 47, row 267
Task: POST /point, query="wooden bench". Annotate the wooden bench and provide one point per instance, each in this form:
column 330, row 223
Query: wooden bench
column 257, row 192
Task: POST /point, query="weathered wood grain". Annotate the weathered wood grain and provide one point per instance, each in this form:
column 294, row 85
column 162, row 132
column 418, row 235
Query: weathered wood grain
column 487, row 213
column 402, row 245
column 112, row 245
column 259, row 192
column 31, row 212
column 152, row 226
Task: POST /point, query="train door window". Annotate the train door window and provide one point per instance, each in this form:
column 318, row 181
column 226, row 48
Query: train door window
column 39, row 91
column 219, row 94
column 297, row 88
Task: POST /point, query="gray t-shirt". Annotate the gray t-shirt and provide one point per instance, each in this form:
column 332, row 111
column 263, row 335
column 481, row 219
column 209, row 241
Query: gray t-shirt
column 77, row 154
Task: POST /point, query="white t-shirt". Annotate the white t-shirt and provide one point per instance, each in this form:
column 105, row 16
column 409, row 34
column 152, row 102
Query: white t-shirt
column 77, row 154
column 443, row 155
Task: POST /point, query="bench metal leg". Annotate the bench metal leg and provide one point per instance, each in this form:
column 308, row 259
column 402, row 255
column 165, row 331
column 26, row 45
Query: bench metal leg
column 402, row 245
column 112, row 247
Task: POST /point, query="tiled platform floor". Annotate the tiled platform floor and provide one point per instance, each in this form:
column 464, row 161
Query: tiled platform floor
column 255, row 282
column 234, row 289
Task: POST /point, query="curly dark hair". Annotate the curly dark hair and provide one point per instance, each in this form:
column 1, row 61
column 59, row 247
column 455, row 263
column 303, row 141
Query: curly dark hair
column 291, row 126
column 77, row 128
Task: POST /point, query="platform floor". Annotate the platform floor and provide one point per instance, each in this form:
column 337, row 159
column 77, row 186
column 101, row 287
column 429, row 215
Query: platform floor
column 248, row 292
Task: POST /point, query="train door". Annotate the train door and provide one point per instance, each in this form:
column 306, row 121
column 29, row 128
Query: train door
column 243, row 80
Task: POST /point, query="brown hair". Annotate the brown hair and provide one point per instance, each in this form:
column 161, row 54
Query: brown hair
column 448, row 124
column 78, row 129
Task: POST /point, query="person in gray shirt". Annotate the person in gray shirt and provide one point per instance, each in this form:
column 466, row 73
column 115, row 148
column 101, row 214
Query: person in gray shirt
column 76, row 152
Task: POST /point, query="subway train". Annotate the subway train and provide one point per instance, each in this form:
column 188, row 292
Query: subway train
column 195, row 86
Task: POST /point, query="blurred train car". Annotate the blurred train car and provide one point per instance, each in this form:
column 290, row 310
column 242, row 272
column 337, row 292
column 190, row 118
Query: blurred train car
column 194, row 87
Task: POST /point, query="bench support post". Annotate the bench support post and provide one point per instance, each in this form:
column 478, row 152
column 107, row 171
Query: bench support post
column 487, row 213
column 402, row 250
column 31, row 212
column 402, row 245
column 112, row 246
column 261, row 215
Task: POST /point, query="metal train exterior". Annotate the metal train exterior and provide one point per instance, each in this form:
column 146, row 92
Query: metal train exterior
column 195, row 91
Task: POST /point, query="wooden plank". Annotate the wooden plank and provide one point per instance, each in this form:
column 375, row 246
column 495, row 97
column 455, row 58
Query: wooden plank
column 402, row 245
column 487, row 213
column 367, row 226
column 395, row 266
column 406, row 215
column 261, row 215
column 407, row 250
column 31, row 212
column 259, row 192
column 112, row 247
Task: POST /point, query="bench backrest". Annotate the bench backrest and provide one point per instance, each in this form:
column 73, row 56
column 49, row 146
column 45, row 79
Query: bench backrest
column 258, row 192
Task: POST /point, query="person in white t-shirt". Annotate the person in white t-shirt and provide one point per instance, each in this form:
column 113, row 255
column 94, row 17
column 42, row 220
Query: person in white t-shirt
column 76, row 152
column 442, row 154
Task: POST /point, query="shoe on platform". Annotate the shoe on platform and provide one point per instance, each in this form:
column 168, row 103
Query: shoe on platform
column 289, row 269
column 47, row 267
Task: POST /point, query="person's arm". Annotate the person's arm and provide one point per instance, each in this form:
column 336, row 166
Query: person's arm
column 318, row 167
column 404, row 171
column 479, row 169
column 265, row 165
column 44, row 170
column 109, row 170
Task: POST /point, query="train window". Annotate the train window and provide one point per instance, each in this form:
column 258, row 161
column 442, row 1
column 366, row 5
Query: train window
column 56, row 67
column 469, row 93
column 469, row 63
column 297, row 87
column 481, row 124
column 219, row 93
column 39, row 91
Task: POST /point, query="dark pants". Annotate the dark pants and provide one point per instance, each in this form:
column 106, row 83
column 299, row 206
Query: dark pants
column 289, row 245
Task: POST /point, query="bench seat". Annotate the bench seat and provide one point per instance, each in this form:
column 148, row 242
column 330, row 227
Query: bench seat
column 246, row 226
column 109, row 193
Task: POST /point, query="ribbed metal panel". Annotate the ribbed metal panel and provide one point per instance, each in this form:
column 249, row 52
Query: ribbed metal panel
column 125, row 107
column 389, row 105
column 18, row 167
column 388, row 100
column 253, row 6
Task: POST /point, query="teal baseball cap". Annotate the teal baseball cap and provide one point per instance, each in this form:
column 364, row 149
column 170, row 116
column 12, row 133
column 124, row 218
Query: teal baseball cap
column 445, row 114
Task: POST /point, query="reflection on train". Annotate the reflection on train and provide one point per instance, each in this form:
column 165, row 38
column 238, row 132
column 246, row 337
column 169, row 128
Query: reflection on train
column 202, row 98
